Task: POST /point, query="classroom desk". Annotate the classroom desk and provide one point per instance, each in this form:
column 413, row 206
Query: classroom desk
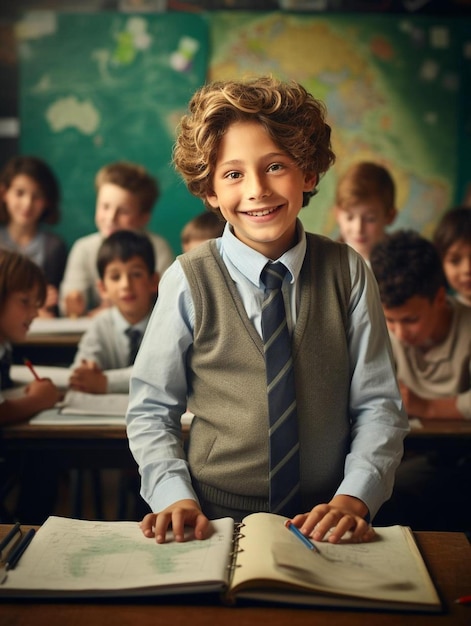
column 41, row 349
column 448, row 556
column 51, row 341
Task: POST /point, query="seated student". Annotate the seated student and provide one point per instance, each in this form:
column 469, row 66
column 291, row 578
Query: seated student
column 431, row 340
column 29, row 201
column 452, row 238
column 430, row 332
column 365, row 205
column 204, row 226
column 126, row 193
column 129, row 282
column 22, row 293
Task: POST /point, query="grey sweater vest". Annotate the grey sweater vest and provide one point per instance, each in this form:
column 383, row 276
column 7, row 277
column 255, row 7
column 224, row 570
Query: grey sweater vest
column 228, row 448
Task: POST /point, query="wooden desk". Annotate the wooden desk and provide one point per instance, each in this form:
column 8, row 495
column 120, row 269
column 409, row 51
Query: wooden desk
column 444, row 435
column 448, row 556
column 44, row 349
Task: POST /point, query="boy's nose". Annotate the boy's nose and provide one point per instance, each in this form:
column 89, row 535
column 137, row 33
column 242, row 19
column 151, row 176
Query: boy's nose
column 256, row 187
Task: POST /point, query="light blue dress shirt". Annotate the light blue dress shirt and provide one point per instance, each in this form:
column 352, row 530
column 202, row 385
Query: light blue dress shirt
column 159, row 380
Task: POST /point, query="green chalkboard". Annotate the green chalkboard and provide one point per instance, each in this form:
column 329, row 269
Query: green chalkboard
column 97, row 88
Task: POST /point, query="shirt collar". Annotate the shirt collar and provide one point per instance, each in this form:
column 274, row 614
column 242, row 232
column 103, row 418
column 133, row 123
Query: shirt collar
column 251, row 263
column 122, row 324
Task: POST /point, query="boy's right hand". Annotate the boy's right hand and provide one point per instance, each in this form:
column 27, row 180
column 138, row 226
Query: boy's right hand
column 44, row 392
column 178, row 515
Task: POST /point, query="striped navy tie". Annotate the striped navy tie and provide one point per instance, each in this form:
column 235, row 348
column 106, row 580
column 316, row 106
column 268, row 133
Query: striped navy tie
column 134, row 336
column 283, row 427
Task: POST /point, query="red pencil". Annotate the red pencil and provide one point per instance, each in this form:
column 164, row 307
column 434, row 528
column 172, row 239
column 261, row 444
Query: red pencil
column 463, row 600
column 29, row 365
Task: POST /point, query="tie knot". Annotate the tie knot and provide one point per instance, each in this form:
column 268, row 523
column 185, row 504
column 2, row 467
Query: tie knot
column 273, row 275
column 133, row 333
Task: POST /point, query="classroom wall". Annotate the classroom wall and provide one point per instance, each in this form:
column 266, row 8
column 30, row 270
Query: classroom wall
column 101, row 87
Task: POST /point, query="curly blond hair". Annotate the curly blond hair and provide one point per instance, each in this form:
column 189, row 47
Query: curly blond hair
column 293, row 118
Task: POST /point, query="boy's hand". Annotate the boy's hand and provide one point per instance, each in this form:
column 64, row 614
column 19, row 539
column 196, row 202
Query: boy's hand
column 89, row 378
column 343, row 514
column 178, row 515
column 74, row 303
column 44, row 392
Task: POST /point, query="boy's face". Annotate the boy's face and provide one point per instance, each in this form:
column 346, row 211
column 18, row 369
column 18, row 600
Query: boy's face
column 17, row 314
column 457, row 267
column 129, row 286
column 25, row 201
column 258, row 189
column 418, row 322
column 118, row 209
column 363, row 225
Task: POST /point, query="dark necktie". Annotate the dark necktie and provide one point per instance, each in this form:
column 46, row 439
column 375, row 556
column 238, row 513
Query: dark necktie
column 5, row 363
column 283, row 427
column 134, row 337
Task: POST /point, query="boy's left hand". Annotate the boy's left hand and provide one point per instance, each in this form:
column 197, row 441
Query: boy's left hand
column 89, row 378
column 340, row 519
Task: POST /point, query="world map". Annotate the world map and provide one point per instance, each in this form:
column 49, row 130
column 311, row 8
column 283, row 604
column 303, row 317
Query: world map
column 390, row 87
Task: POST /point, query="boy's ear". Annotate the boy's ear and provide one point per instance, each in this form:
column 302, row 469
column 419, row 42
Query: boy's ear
column 101, row 288
column 155, row 280
column 212, row 200
column 310, row 181
column 391, row 216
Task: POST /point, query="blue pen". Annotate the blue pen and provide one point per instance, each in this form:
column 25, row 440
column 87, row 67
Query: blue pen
column 15, row 555
column 290, row 526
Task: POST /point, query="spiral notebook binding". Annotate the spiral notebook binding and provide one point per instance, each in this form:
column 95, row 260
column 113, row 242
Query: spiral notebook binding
column 238, row 535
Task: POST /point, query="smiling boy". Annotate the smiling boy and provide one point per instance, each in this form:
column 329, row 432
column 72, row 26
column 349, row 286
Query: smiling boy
column 254, row 152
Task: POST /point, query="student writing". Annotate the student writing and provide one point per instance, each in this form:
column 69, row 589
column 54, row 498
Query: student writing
column 22, row 293
column 430, row 332
column 126, row 193
column 128, row 280
column 255, row 151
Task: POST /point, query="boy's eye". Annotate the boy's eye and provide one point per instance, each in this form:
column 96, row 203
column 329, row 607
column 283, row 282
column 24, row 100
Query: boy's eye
column 274, row 167
column 233, row 175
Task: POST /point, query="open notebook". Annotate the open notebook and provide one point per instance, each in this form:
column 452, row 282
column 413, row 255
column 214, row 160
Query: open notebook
column 259, row 560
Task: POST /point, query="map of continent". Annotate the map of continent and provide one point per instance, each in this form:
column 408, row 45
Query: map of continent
column 390, row 88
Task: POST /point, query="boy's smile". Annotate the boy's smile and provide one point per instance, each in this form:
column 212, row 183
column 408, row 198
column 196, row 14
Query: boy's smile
column 258, row 189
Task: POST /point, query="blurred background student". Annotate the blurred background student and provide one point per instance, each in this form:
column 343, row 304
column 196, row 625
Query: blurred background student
column 126, row 193
column 452, row 238
column 128, row 280
column 22, row 293
column 204, row 226
column 29, row 200
column 365, row 205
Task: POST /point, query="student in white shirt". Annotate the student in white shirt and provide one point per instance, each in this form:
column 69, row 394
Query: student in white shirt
column 129, row 282
column 126, row 193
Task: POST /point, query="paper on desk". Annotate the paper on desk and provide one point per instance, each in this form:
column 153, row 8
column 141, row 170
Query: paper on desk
column 21, row 375
column 59, row 325
column 80, row 403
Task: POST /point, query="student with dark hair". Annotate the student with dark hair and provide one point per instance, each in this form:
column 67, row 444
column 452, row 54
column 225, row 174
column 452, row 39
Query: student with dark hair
column 29, row 201
column 452, row 238
column 128, row 280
